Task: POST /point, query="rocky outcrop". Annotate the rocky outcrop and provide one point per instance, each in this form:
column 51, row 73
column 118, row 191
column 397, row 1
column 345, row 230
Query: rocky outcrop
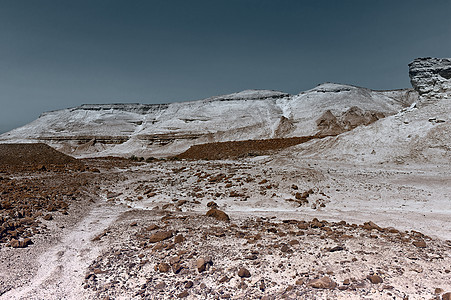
column 329, row 124
column 431, row 77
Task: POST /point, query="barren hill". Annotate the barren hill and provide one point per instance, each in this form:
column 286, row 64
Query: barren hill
column 169, row 129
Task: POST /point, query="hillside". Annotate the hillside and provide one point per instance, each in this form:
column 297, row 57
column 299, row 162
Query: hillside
column 169, row 129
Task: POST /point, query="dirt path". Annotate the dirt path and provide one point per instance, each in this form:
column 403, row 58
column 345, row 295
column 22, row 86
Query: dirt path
column 62, row 268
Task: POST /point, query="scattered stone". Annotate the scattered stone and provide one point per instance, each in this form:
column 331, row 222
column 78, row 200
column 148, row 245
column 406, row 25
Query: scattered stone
column 152, row 227
column 212, row 204
column 446, row 296
column 285, row 248
column 303, row 225
column 262, row 286
column 48, row 217
column 322, row 283
column 189, row 284
column 20, row 244
column 14, row 243
column 164, row 267
column 176, row 268
column 203, row 263
column 371, row 225
column 419, row 244
column 218, row 215
column 374, row 279
column 160, row 236
column 336, row 248
column 183, row 294
column 160, row 286
column 179, row 239
column 134, row 223
column 244, row 273
column 438, row 291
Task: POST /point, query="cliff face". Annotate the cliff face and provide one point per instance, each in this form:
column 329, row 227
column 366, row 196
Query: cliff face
column 431, row 77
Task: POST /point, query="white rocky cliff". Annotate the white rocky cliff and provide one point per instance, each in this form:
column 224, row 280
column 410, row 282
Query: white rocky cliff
column 167, row 129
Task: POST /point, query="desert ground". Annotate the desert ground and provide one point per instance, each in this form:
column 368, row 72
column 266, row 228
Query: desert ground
column 253, row 227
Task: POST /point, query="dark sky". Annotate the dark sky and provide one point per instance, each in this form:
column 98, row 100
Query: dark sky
column 57, row 54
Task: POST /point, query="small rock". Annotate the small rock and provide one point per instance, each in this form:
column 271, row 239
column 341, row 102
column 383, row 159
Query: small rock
column 20, row 244
column 438, row 291
column 160, row 236
column 189, row 284
column 371, row 225
column 300, row 281
column 14, row 243
column 48, row 217
column 446, row 296
column 179, row 239
column 285, row 248
column 224, row 279
column 336, row 248
column 322, row 283
column 374, row 279
column 202, row 264
column 244, row 273
column 176, row 268
column 164, row 267
column 161, row 285
column 134, row 223
column 419, row 244
column 218, row 215
column 152, row 227
column 183, row 294
column 303, row 225
column 212, row 204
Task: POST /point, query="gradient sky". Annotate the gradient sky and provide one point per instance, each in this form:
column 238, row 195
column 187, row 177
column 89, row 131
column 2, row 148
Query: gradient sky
column 57, row 54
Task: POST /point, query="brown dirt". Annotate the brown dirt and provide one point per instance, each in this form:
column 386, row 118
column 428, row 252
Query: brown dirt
column 32, row 189
column 236, row 149
column 16, row 157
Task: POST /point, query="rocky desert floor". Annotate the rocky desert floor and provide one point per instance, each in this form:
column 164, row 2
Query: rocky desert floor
column 264, row 227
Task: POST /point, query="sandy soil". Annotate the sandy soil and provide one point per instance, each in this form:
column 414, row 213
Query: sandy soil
column 105, row 246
